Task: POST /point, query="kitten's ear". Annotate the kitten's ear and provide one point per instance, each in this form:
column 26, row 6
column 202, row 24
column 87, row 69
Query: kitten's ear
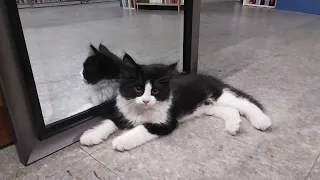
column 103, row 49
column 100, row 53
column 94, row 50
column 129, row 67
column 128, row 61
column 171, row 69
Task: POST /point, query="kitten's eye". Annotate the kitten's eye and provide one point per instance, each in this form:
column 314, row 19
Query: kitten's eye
column 154, row 91
column 137, row 88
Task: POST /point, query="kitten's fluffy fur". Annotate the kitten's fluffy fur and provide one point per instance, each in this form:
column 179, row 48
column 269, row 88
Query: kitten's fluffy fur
column 101, row 71
column 151, row 101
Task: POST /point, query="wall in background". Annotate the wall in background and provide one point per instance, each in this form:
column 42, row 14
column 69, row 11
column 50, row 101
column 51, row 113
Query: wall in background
column 305, row 6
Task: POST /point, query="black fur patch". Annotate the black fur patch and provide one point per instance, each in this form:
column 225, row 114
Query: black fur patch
column 101, row 65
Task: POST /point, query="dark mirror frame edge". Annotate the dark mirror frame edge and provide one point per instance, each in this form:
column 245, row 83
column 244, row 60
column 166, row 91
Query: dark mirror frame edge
column 33, row 139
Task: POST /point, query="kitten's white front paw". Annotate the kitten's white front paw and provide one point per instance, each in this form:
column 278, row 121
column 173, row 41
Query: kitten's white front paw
column 123, row 143
column 262, row 122
column 232, row 129
column 90, row 137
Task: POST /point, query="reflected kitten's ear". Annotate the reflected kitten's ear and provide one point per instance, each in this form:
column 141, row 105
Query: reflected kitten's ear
column 128, row 61
column 103, row 49
column 94, row 50
column 102, row 52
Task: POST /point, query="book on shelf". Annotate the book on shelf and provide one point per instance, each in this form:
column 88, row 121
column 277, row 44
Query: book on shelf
column 128, row 4
column 143, row 1
column 261, row 2
column 272, row 2
column 156, row 1
column 21, row 2
column 160, row 1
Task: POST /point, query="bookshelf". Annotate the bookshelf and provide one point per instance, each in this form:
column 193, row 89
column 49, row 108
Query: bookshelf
column 260, row 3
column 174, row 3
column 128, row 4
column 46, row 3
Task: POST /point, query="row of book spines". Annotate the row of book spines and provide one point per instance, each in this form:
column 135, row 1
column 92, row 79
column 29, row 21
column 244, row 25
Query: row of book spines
column 161, row 1
column 170, row 1
column 35, row 1
column 128, row 3
column 263, row 2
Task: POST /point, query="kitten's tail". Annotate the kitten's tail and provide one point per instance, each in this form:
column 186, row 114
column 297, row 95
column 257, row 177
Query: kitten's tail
column 247, row 106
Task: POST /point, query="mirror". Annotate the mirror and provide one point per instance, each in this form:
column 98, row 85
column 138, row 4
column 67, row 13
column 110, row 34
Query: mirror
column 58, row 35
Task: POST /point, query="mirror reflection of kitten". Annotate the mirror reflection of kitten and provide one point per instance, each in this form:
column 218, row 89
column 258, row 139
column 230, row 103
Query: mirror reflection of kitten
column 101, row 71
column 151, row 101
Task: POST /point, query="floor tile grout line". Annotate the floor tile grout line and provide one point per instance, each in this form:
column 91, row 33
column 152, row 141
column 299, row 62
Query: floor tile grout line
column 315, row 161
column 58, row 170
column 70, row 164
column 67, row 166
column 17, row 174
column 100, row 162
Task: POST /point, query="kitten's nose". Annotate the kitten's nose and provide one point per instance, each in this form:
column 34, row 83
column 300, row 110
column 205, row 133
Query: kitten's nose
column 145, row 101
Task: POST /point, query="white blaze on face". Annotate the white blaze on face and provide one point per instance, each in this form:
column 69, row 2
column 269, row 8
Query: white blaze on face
column 81, row 75
column 146, row 99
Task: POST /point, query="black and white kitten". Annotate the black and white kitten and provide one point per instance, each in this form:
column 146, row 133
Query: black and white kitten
column 151, row 101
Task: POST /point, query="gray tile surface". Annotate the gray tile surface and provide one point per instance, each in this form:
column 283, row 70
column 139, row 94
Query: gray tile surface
column 315, row 171
column 199, row 149
column 272, row 55
column 9, row 163
column 56, row 163
column 86, row 169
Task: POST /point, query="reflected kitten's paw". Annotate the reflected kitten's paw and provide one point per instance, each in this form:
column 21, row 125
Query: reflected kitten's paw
column 90, row 137
column 122, row 143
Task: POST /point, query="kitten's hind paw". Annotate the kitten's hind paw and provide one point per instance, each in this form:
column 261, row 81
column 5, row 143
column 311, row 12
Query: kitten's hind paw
column 261, row 122
column 90, row 137
column 233, row 129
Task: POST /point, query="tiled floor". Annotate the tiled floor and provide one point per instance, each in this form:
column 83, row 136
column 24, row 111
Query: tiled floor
column 273, row 55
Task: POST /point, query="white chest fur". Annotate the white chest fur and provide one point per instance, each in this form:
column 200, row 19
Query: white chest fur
column 103, row 91
column 138, row 114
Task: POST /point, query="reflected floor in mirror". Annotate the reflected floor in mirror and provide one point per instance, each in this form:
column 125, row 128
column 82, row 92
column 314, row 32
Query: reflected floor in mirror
column 58, row 41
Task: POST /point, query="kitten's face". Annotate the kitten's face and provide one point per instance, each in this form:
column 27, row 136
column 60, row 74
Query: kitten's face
column 145, row 85
column 91, row 72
